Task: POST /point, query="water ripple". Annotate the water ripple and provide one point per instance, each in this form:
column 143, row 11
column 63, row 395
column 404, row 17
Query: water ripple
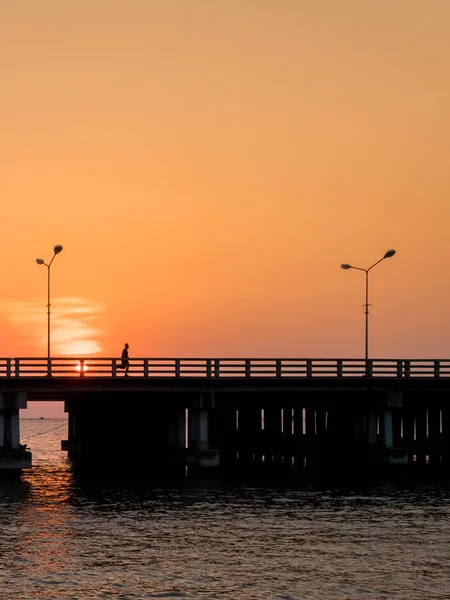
column 66, row 539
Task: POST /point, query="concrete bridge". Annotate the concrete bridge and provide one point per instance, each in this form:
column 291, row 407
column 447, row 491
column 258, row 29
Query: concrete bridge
column 282, row 413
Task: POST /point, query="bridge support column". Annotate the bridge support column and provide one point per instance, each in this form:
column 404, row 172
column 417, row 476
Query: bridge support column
column 372, row 423
column 200, row 454
column 13, row 455
column 198, row 429
column 177, row 430
column 388, row 452
column 226, row 429
column 272, row 449
column 387, row 434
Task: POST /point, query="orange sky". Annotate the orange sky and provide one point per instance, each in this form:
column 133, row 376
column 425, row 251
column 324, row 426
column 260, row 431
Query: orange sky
column 207, row 166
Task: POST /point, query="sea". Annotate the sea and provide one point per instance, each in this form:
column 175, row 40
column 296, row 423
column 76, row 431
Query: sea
column 62, row 537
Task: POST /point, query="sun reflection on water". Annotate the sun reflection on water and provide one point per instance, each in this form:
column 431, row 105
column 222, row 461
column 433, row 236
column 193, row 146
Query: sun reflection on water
column 43, row 527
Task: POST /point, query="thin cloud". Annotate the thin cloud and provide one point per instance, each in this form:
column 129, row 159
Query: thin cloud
column 71, row 334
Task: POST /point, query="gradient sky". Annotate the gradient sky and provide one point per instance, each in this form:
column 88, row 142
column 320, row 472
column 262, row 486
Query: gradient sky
column 208, row 165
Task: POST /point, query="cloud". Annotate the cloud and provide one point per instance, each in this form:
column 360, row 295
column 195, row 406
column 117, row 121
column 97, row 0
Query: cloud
column 72, row 330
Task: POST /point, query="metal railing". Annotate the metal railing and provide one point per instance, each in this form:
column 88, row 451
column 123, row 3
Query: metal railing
column 224, row 367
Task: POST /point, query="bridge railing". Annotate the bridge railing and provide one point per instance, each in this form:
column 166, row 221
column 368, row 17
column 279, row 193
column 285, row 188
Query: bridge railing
column 223, row 367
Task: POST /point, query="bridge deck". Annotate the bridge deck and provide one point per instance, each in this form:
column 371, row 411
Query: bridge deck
column 61, row 378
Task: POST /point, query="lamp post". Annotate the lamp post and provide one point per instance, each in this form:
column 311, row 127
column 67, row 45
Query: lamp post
column 56, row 250
column 388, row 254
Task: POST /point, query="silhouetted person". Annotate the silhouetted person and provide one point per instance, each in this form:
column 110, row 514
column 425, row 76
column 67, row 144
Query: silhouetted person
column 124, row 364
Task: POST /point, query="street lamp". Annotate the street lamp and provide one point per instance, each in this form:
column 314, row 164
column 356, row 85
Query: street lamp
column 346, row 266
column 56, row 250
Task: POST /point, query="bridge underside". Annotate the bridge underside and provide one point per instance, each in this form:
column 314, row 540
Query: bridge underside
column 285, row 431
column 282, row 424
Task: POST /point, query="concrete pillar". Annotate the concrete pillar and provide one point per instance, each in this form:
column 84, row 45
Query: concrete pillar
column 287, row 447
column 71, row 426
column 14, row 429
column 198, row 429
column 299, row 443
column 249, row 433
column 199, row 416
column 358, row 427
column 445, row 435
column 421, row 433
column 13, row 457
column 176, row 436
column 9, row 419
column 321, row 422
column 226, row 433
column 372, row 428
column 387, row 436
column 287, row 420
column 389, row 453
column 310, row 422
column 434, row 433
column 2, row 427
column 177, row 429
column 272, row 434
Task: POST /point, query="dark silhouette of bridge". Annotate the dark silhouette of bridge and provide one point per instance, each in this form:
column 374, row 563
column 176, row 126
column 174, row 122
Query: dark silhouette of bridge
column 283, row 413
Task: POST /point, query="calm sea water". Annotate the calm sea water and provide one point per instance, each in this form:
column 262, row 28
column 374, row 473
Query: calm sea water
column 197, row 538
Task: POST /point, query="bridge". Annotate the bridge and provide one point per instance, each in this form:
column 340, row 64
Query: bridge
column 235, row 412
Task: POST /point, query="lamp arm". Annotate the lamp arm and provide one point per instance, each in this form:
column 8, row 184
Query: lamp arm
column 375, row 264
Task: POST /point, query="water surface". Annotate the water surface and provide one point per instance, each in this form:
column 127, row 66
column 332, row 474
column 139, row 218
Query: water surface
column 66, row 538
